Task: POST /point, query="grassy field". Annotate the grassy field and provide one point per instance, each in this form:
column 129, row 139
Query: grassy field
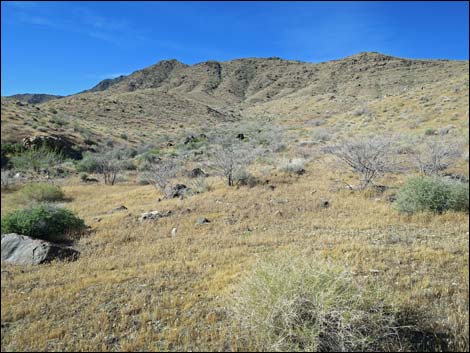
column 137, row 287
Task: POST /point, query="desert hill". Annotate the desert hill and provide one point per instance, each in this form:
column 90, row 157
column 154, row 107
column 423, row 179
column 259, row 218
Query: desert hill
column 171, row 95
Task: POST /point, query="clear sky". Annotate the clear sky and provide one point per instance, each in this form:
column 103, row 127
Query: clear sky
column 65, row 47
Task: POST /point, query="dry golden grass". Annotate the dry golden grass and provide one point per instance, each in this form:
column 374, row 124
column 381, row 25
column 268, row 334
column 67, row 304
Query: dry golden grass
column 135, row 287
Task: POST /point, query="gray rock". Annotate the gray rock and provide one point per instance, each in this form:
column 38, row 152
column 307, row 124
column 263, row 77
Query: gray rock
column 154, row 215
column 202, row 221
column 119, row 208
column 23, row 250
column 179, row 190
column 197, row 172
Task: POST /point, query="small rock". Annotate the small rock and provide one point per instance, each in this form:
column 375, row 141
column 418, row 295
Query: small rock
column 202, row 221
column 324, row 203
column 119, row 208
column 173, row 232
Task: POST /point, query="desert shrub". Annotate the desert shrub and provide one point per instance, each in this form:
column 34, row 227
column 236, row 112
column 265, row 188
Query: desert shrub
column 432, row 194
column 42, row 192
column 369, row 157
column 293, row 166
column 244, row 178
column 88, row 164
column 36, row 159
column 231, row 156
column 58, row 121
column 429, row 132
column 43, row 221
column 107, row 163
column 434, row 156
column 199, row 185
column 144, row 179
column 161, row 172
column 298, row 303
column 84, row 177
column 124, row 136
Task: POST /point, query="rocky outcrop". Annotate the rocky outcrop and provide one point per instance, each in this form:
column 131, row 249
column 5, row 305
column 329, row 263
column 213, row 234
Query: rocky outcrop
column 55, row 143
column 20, row 249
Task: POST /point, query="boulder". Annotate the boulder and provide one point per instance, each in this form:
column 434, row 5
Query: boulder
column 20, row 249
column 197, row 172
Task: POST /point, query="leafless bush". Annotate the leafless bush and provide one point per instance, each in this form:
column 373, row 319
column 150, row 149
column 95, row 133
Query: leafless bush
column 161, row 172
column 434, row 156
column 370, row 157
column 231, row 157
column 7, row 179
column 109, row 169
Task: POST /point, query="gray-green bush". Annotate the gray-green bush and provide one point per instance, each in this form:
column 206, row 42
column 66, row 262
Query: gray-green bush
column 434, row 194
column 42, row 192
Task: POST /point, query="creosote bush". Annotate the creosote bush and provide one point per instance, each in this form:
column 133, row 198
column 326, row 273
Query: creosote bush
column 43, row 221
column 293, row 166
column 298, row 303
column 42, row 192
column 36, row 159
column 432, row 194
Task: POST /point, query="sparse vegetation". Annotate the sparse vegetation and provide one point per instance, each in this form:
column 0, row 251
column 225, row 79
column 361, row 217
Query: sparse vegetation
column 375, row 270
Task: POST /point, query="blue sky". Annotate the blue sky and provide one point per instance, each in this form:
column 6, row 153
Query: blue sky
column 65, row 47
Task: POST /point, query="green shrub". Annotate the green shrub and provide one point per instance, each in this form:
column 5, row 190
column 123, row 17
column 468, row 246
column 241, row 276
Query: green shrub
column 432, row 194
column 429, row 132
column 36, row 159
column 42, row 192
column 43, row 221
column 88, row 164
column 292, row 302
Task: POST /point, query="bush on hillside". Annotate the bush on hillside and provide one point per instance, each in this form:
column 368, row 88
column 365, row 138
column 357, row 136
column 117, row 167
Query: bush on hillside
column 36, row 159
column 42, row 192
column 433, row 194
column 43, row 221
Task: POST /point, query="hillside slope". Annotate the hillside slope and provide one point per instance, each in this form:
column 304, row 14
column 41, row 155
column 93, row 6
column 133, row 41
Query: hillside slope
column 171, row 95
